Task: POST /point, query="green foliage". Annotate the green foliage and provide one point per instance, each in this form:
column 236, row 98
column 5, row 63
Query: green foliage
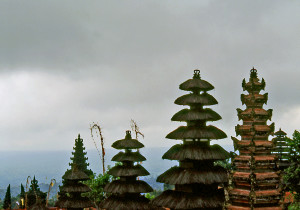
column 153, row 194
column 7, row 199
column 228, row 163
column 51, row 201
column 79, row 157
column 33, row 192
column 292, row 173
column 97, row 184
column 294, row 206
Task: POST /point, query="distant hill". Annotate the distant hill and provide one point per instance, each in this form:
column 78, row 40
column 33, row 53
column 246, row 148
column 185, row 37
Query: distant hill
column 46, row 165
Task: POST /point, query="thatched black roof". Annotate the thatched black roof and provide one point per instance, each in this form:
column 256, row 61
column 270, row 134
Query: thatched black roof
column 128, row 156
column 79, row 187
column 196, row 84
column 136, row 186
column 126, row 202
column 183, row 200
column 190, row 99
column 280, row 133
column 75, row 174
column 185, row 132
column 178, row 175
column 127, row 143
column 121, row 170
column 196, row 152
column 194, row 114
column 39, row 205
column 74, row 203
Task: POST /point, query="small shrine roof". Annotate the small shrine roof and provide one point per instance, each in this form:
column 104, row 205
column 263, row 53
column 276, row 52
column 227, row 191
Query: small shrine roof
column 185, row 132
column 196, row 152
column 129, row 156
column 280, row 133
column 75, row 174
column 136, row 186
column 196, row 84
column 126, row 202
column 121, row 170
column 194, row 114
column 183, row 200
column 178, row 175
column 79, row 187
column 265, row 128
column 256, row 158
column 191, row 99
column 257, row 111
column 127, row 143
column 259, row 176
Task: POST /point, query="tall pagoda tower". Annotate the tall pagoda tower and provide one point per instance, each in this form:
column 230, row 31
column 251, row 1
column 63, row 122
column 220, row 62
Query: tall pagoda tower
column 281, row 149
column 256, row 184
column 196, row 179
column 125, row 191
column 70, row 193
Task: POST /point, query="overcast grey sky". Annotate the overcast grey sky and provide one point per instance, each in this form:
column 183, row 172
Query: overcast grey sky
column 65, row 64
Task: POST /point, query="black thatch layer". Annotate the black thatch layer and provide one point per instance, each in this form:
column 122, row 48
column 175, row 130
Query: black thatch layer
column 190, row 99
column 79, row 187
column 129, row 156
column 185, row 132
column 75, row 174
column 189, row 115
column 74, row 203
column 118, row 186
column 136, row 170
column 127, row 144
column 39, row 205
column 125, row 203
column 177, row 175
column 196, row 84
column 182, row 200
column 196, row 152
column 280, row 133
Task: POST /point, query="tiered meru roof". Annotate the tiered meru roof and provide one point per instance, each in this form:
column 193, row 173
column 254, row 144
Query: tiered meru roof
column 72, row 185
column 281, row 150
column 255, row 181
column 126, row 190
column 196, row 179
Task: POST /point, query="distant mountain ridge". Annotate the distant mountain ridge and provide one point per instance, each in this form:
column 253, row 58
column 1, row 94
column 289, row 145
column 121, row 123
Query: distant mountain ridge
column 47, row 165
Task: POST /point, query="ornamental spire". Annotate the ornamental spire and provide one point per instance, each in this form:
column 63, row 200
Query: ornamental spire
column 196, row 179
column 255, row 181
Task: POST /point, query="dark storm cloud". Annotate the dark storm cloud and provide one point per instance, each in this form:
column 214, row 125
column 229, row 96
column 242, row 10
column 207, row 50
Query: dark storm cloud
column 65, row 64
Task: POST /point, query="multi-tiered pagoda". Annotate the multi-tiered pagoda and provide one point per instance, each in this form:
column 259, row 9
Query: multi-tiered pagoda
column 197, row 180
column 281, row 150
column 256, row 184
column 125, row 191
column 70, row 194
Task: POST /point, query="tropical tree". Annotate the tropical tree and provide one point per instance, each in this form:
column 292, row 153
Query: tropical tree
column 7, row 199
column 97, row 183
column 292, row 173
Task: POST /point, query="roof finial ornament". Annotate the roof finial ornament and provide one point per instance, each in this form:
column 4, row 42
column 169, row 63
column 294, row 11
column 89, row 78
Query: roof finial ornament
column 196, row 74
column 128, row 134
column 253, row 73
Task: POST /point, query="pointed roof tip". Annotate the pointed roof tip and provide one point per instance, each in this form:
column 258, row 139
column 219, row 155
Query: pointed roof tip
column 128, row 134
column 196, row 74
column 253, row 73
